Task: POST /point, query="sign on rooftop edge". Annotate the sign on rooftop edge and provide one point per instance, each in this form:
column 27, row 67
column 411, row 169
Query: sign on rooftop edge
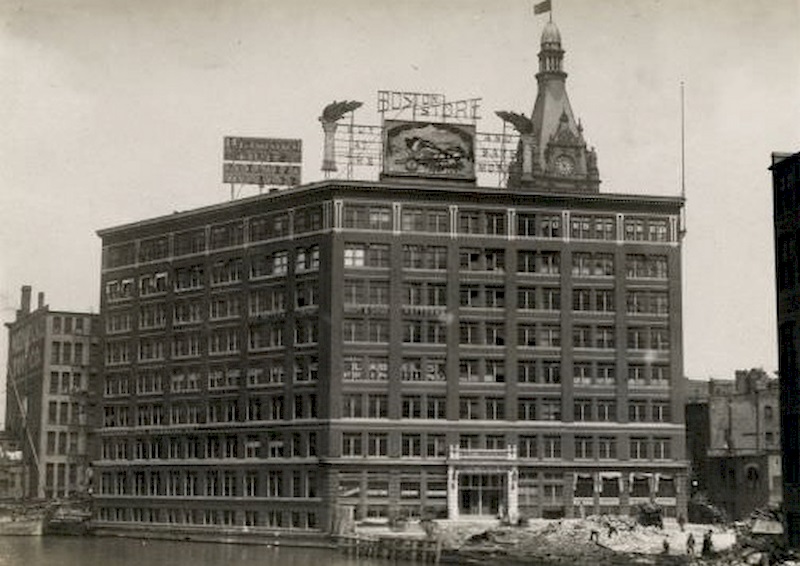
column 428, row 106
column 420, row 135
column 262, row 161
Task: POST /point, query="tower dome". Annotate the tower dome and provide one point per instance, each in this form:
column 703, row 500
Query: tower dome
column 550, row 34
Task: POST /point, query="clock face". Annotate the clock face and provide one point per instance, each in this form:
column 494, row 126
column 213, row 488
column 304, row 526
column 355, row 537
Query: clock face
column 564, row 165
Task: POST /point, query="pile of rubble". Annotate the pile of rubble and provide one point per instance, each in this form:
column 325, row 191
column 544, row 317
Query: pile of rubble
column 595, row 540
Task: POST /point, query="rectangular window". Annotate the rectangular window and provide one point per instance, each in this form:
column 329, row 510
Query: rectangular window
column 584, row 447
column 551, row 372
column 527, row 447
column 494, row 408
column 581, row 336
column 551, row 410
column 526, row 298
column 412, row 406
column 411, row 446
column 351, row 444
column 526, row 410
column 606, row 410
column 468, row 408
column 549, row 226
column 526, row 371
column 377, row 444
column 377, row 406
column 526, row 225
column 352, row 405
column 637, row 411
column 436, row 407
column 550, row 336
column 607, row 447
column 583, row 410
column 436, row 446
column 551, row 446
column 638, row 448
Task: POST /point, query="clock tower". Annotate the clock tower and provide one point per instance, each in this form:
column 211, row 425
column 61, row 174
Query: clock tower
column 553, row 156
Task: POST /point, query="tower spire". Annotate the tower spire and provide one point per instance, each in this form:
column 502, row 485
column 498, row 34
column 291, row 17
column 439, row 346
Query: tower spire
column 560, row 160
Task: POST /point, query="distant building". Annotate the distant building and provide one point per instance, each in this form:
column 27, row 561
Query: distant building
column 698, row 431
column 733, row 440
column 11, row 468
column 413, row 346
column 48, row 406
column 786, row 201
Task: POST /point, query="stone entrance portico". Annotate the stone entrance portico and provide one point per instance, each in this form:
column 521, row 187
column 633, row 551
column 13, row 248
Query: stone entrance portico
column 482, row 482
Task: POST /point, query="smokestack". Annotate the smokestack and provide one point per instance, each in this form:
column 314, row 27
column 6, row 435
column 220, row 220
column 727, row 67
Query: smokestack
column 25, row 305
column 40, row 301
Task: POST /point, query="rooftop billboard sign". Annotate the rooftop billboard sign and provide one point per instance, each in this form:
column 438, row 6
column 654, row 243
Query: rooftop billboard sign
column 428, row 149
column 261, row 174
column 428, row 106
column 262, row 161
column 264, row 150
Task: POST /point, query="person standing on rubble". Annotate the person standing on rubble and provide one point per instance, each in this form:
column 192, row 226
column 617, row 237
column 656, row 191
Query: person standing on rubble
column 707, row 545
column 690, row 544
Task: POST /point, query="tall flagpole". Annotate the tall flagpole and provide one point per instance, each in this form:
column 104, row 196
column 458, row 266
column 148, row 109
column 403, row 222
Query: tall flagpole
column 682, row 228
column 683, row 146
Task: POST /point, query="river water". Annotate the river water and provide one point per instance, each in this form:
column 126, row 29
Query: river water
column 101, row 551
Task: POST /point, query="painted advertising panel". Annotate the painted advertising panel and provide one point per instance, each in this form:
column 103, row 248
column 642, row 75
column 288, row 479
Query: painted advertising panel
column 262, row 174
column 263, row 150
column 427, row 149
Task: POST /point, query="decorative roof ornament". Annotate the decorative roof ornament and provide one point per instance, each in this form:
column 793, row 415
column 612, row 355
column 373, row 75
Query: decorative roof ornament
column 330, row 116
column 335, row 110
column 521, row 123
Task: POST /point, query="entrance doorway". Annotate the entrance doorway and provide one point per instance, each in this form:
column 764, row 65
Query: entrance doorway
column 482, row 494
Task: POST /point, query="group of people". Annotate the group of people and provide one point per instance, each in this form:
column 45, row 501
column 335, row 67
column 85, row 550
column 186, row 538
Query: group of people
column 707, row 547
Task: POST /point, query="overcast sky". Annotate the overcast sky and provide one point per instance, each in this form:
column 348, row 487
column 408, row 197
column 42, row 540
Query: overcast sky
column 113, row 111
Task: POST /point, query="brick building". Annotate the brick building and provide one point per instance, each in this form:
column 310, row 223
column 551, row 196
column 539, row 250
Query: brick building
column 417, row 345
column 48, row 409
column 785, row 182
column 733, row 439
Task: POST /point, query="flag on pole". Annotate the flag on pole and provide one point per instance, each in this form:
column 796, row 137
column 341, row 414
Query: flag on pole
column 542, row 7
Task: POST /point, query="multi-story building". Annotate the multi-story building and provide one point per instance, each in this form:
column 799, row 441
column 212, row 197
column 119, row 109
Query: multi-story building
column 11, row 469
column 785, row 189
column 417, row 345
column 48, row 406
column 735, row 459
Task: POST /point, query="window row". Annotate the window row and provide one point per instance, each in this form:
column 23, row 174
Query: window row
column 66, row 412
column 66, row 383
column 585, row 447
column 253, row 409
column 68, row 353
column 220, row 341
column 222, row 272
column 214, row 237
column 212, row 446
column 62, row 443
column 70, row 324
column 193, row 379
column 211, row 483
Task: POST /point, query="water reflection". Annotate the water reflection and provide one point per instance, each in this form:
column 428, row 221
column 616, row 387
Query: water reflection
column 100, row 551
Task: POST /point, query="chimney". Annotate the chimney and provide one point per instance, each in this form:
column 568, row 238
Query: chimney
column 25, row 306
column 40, row 302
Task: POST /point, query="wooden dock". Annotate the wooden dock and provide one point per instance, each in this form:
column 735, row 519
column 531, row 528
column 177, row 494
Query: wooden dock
column 391, row 547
